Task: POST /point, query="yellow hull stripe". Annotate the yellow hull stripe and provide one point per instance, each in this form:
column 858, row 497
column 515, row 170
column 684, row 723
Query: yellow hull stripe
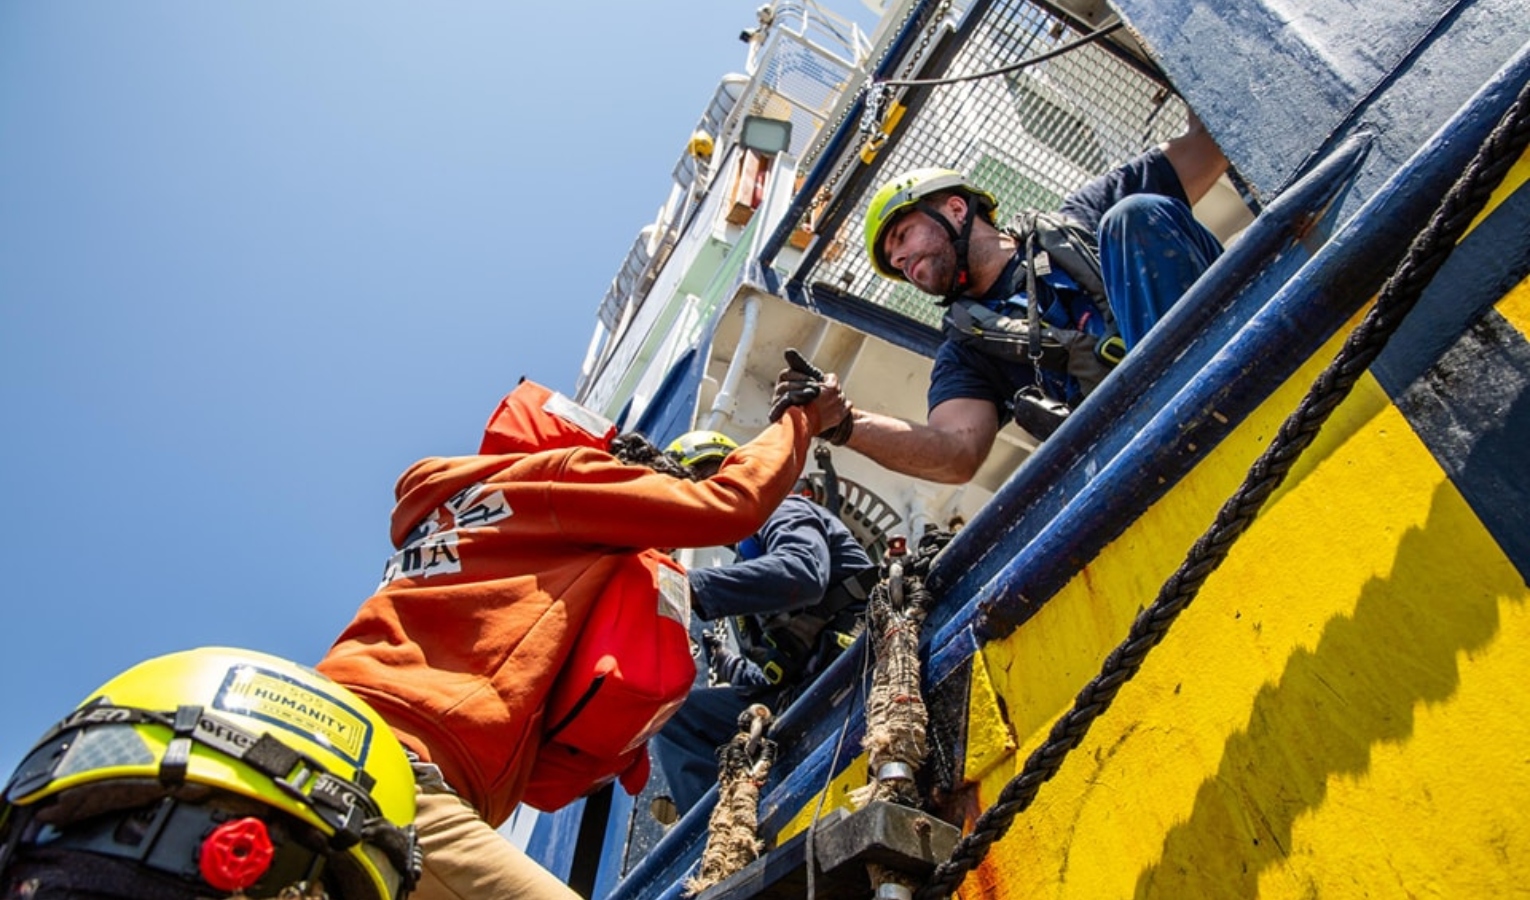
column 1326, row 712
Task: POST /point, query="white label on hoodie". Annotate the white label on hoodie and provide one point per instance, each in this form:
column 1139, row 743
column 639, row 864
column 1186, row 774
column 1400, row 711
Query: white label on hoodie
column 434, row 554
column 473, row 507
column 589, row 421
column 432, row 546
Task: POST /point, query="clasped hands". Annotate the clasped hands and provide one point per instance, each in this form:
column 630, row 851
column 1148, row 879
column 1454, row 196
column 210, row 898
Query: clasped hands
column 802, row 384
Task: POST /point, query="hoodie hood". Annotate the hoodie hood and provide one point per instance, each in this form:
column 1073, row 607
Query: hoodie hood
column 533, row 418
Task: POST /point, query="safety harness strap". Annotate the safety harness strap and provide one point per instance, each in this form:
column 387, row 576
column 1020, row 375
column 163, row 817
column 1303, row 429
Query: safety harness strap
column 785, row 645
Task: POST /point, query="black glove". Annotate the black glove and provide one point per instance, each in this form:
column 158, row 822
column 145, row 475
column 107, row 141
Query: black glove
column 797, row 385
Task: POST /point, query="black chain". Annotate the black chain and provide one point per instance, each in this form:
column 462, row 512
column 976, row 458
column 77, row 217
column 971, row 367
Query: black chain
column 1398, row 296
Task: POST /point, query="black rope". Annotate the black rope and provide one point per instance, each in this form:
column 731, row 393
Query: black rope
column 1026, row 63
column 1398, row 296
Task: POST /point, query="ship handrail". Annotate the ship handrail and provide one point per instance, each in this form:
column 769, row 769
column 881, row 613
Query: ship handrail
column 839, row 141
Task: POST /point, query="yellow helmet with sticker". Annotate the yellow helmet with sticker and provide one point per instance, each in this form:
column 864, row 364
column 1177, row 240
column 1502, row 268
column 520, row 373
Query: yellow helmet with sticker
column 223, row 769
column 905, row 193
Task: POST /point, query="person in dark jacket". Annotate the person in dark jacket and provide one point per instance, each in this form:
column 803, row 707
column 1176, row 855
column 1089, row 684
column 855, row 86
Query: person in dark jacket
column 795, row 595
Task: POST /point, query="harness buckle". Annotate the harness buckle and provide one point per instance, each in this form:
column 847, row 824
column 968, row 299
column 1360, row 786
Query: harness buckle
column 1110, row 350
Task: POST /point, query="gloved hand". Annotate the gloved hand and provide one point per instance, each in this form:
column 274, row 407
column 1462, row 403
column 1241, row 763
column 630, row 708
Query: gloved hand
column 727, row 667
column 800, row 384
column 797, row 385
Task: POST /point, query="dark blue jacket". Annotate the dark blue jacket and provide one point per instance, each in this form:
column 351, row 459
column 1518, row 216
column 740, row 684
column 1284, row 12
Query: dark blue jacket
column 803, row 552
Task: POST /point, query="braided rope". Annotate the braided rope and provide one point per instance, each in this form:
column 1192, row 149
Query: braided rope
column 896, row 717
column 733, row 829
column 1397, row 298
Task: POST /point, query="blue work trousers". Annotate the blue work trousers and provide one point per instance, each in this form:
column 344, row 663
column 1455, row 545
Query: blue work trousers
column 1151, row 250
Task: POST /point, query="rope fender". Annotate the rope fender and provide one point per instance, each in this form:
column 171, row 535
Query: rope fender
column 733, row 830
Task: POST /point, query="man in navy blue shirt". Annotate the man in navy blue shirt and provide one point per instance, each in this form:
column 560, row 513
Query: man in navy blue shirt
column 935, row 230
column 795, row 596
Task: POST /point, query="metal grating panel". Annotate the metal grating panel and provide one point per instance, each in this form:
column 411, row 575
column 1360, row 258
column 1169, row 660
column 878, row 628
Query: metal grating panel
column 799, row 82
column 1030, row 136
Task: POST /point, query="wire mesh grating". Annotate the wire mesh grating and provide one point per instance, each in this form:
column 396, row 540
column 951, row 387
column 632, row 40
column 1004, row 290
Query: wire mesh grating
column 1030, row 136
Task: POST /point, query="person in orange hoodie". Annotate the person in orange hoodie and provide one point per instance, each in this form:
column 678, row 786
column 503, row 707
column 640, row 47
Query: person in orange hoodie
column 500, row 556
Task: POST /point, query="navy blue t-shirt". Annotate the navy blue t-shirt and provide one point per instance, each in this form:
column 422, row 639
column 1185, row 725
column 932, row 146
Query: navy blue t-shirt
column 962, row 371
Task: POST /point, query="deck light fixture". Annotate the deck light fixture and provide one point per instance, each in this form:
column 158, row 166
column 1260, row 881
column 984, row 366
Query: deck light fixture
column 767, row 136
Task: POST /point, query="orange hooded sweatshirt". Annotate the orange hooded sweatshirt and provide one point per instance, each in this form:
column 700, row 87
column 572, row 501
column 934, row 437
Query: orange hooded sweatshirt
column 500, row 558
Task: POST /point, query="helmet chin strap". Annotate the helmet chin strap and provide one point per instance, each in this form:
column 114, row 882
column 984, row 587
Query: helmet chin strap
column 962, row 279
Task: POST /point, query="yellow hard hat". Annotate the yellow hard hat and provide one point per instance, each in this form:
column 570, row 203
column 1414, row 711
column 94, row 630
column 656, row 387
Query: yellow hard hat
column 904, row 193
column 695, row 447
column 254, row 772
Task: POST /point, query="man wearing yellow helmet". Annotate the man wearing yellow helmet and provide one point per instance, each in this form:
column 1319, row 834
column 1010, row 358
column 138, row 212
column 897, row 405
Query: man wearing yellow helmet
column 935, row 230
column 795, row 595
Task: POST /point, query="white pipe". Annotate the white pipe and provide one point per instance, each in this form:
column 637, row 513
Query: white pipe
column 722, row 404
column 592, row 357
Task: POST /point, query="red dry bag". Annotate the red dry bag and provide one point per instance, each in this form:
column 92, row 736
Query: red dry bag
column 629, row 670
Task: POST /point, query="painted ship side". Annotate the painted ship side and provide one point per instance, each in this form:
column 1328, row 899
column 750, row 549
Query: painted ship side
column 1340, row 710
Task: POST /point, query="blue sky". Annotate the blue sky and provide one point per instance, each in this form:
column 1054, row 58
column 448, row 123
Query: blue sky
column 257, row 258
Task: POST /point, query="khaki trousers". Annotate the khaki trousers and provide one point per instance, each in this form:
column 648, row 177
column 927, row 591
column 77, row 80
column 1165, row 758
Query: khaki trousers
column 465, row 859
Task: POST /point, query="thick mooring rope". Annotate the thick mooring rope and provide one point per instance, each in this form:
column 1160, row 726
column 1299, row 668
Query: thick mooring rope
column 896, row 717
column 733, row 830
column 1398, row 296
